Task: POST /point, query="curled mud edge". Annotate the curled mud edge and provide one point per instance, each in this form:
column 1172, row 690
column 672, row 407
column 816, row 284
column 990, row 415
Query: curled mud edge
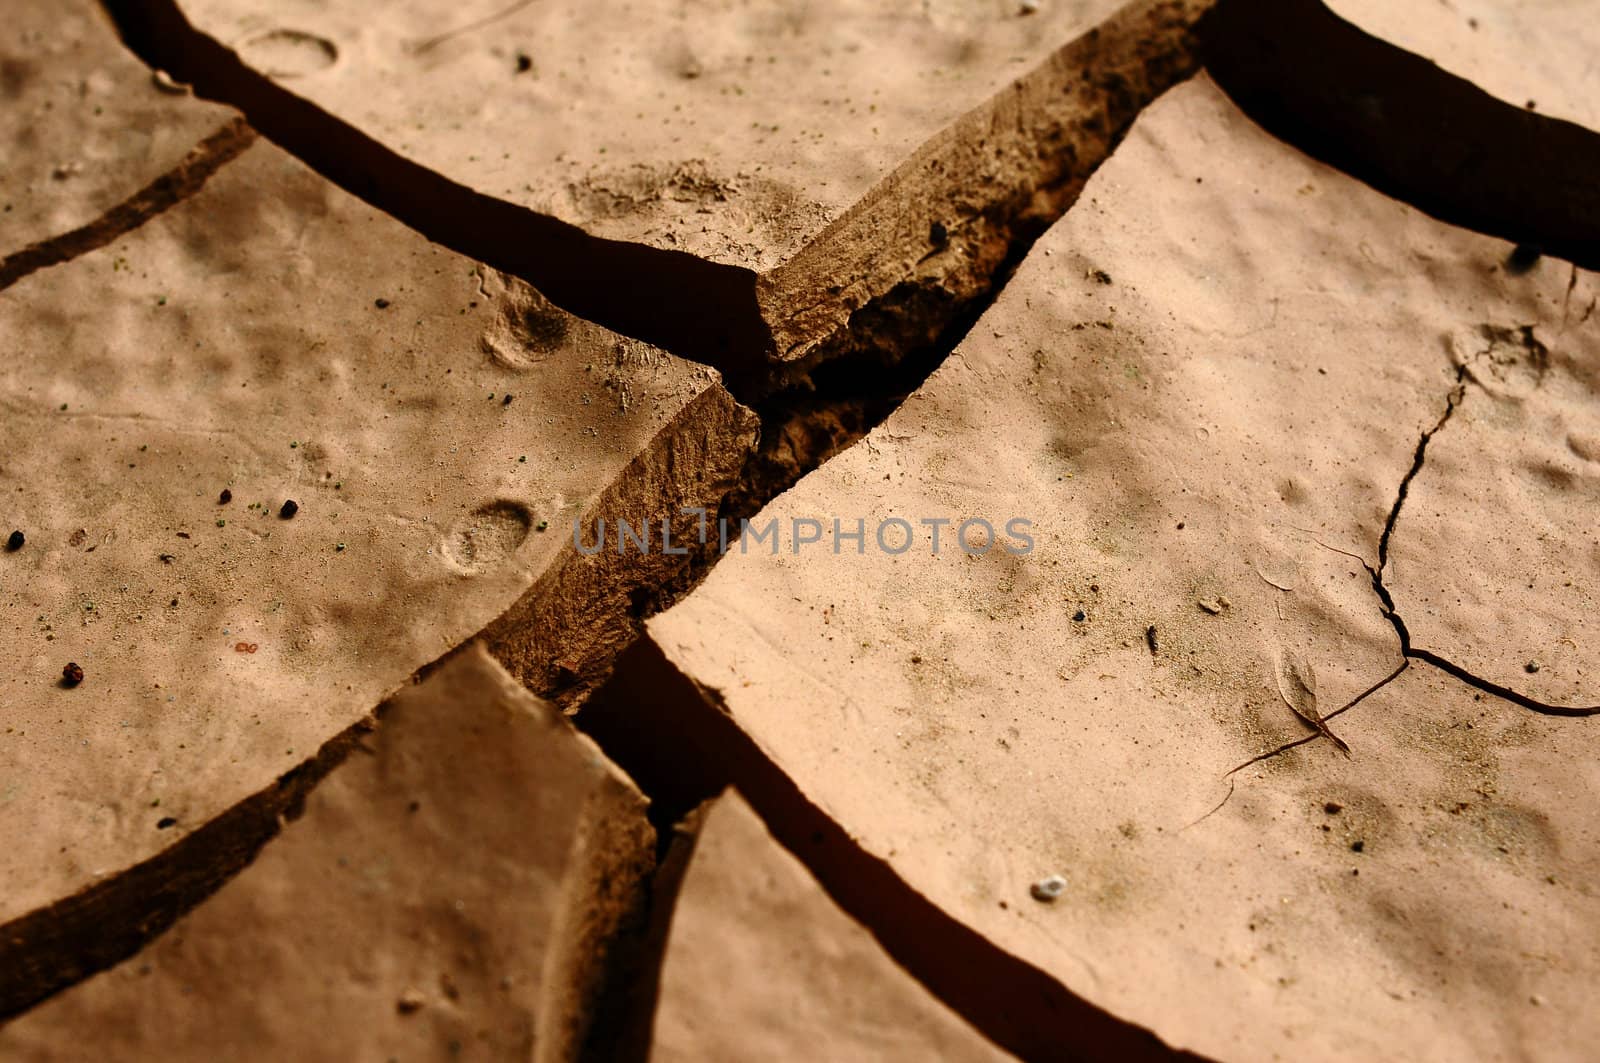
column 931, row 240
column 165, row 192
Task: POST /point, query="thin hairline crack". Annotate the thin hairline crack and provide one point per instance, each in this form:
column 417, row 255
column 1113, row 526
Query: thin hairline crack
column 1409, row 652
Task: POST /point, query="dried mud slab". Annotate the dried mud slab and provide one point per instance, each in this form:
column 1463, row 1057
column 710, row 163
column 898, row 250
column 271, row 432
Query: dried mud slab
column 1204, row 388
column 817, row 157
column 760, row 964
column 1531, row 53
column 270, row 454
column 450, row 890
column 84, row 123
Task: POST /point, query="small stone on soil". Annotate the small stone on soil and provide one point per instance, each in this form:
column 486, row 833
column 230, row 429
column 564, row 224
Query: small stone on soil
column 1048, row 888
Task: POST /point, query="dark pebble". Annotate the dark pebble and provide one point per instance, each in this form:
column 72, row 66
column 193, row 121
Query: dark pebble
column 524, row 63
column 15, row 541
column 1356, row 847
column 938, row 235
column 224, row 498
column 381, row 304
column 166, row 821
column 71, row 675
column 1080, row 616
column 1333, row 808
column 290, row 508
column 506, row 401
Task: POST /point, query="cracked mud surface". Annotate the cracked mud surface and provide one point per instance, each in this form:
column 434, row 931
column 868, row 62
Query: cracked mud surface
column 1198, row 426
column 748, row 906
column 83, row 124
column 1274, row 744
column 411, row 908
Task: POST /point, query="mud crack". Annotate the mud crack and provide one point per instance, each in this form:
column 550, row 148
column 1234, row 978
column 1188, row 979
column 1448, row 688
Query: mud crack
column 674, row 300
column 165, row 192
column 680, row 744
column 1456, row 397
column 1408, row 128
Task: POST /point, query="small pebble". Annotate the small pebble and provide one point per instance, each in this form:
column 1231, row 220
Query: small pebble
column 1031, row 7
column 71, row 675
column 410, row 1002
column 224, row 498
column 1214, row 605
column 1080, row 616
column 507, row 400
column 1333, row 808
column 1358, row 846
column 1532, row 666
column 289, row 508
column 165, row 83
column 381, row 304
column 1048, row 888
column 15, row 540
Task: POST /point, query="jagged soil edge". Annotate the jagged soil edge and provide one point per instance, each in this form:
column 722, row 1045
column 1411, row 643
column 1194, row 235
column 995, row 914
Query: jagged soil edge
column 675, row 300
column 561, row 639
column 929, row 241
column 1406, row 127
column 677, row 740
column 54, row 947
column 78, row 936
column 165, row 192
column 604, row 913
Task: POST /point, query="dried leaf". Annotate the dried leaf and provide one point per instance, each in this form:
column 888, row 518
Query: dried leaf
column 1297, row 686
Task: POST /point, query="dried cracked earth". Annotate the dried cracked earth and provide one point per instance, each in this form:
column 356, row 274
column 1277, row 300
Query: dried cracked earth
column 799, row 529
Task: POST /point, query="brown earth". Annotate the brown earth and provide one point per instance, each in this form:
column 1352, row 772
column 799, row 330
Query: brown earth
column 327, row 327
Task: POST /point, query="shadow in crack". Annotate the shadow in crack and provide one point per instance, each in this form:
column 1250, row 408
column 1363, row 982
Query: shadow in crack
column 677, row 301
column 1408, row 128
column 682, row 748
